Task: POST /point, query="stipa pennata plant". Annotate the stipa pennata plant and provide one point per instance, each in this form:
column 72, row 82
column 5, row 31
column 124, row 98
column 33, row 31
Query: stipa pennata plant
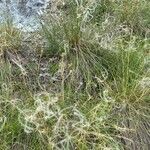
column 73, row 35
column 10, row 37
column 129, row 79
column 129, row 65
column 68, row 127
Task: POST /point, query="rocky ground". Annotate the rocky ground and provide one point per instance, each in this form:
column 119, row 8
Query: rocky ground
column 24, row 13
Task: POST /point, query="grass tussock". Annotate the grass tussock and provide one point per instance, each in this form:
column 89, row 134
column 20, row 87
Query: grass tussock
column 89, row 86
column 10, row 37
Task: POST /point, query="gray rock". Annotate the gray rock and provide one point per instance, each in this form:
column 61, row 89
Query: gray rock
column 24, row 13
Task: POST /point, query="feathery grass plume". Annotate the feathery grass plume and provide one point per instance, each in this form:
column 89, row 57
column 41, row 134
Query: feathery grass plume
column 68, row 127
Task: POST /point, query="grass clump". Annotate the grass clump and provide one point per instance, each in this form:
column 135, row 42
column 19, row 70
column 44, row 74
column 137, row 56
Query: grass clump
column 72, row 36
column 10, row 38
